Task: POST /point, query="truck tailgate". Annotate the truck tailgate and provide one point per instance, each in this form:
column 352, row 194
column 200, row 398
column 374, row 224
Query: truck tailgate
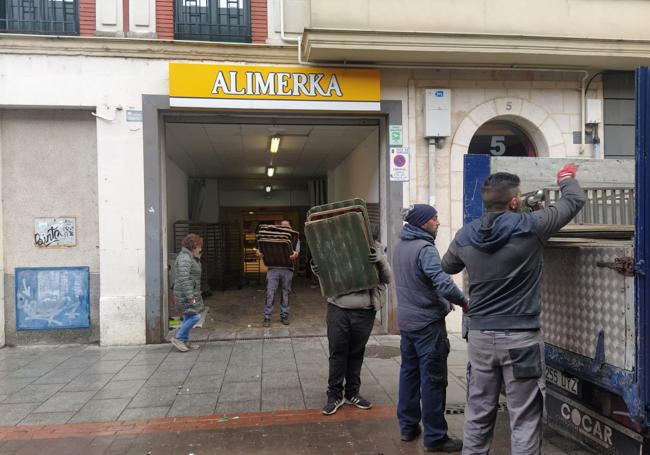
column 582, row 297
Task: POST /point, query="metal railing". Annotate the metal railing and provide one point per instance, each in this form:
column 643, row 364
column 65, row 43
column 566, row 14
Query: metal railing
column 213, row 20
column 603, row 205
column 42, row 17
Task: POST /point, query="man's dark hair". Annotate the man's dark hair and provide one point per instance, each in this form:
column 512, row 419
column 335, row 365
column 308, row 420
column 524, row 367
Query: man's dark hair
column 498, row 189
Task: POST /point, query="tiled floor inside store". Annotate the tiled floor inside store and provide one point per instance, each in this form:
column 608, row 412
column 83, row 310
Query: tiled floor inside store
column 238, row 313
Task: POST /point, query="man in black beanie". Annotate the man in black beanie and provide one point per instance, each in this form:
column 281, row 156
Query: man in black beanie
column 423, row 293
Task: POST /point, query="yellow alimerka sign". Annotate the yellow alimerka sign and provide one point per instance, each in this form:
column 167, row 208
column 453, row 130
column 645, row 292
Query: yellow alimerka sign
column 273, row 87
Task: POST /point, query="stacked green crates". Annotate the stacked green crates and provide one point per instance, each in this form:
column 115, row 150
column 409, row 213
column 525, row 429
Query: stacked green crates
column 340, row 244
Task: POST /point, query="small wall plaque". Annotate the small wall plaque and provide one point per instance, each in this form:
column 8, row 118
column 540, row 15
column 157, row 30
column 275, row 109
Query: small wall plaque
column 55, row 232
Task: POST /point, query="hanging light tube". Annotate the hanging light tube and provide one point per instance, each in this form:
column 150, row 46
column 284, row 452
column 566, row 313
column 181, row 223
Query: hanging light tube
column 275, row 144
column 268, row 188
column 270, row 171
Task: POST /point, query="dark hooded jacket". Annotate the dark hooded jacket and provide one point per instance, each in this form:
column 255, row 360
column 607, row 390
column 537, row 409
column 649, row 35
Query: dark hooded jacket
column 423, row 289
column 502, row 252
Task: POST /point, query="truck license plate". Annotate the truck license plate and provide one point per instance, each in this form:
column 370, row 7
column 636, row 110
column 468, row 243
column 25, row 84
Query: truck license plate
column 561, row 380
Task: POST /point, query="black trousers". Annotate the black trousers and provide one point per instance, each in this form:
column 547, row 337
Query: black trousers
column 347, row 333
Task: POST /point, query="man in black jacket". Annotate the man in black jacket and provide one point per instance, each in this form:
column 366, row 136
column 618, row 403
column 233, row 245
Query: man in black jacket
column 502, row 252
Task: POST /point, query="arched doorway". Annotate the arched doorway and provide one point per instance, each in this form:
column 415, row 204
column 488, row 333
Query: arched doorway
column 501, row 138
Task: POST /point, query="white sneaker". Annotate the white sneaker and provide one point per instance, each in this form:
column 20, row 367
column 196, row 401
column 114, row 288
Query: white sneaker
column 180, row 345
column 193, row 346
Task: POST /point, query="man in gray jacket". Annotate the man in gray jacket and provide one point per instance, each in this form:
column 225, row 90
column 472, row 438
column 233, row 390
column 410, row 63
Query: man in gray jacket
column 502, row 252
column 423, row 295
column 350, row 318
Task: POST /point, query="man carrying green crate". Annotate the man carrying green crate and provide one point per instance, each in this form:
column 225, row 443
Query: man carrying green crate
column 350, row 318
column 279, row 277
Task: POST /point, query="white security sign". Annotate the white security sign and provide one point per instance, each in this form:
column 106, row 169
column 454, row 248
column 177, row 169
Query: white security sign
column 55, row 232
column 399, row 164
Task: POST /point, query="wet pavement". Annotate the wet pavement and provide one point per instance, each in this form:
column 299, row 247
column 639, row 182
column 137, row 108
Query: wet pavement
column 349, row 431
column 72, row 384
column 238, row 396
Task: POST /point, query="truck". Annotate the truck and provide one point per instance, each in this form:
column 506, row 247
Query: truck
column 595, row 285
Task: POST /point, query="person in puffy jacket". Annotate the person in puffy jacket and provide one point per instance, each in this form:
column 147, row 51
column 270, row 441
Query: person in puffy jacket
column 187, row 290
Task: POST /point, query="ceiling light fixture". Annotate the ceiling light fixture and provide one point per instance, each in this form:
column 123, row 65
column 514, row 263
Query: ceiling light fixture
column 267, row 188
column 275, row 144
column 270, row 171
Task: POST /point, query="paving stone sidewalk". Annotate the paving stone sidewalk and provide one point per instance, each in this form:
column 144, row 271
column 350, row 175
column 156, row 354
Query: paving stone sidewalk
column 61, row 384
column 44, row 387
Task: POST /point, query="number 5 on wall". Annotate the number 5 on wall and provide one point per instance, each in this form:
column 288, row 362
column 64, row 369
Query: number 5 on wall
column 498, row 145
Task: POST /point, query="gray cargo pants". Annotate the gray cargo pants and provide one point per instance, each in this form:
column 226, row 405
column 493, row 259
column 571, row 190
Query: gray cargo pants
column 515, row 359
column 278, row 277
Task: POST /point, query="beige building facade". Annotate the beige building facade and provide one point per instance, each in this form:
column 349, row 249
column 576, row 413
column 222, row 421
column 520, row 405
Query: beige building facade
column 77, row 134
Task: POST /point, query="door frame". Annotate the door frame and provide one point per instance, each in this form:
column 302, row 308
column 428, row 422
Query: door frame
column 157, row 112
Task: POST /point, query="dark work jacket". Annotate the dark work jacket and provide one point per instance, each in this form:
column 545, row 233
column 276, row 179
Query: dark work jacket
column 421, row 284
column 502, row 252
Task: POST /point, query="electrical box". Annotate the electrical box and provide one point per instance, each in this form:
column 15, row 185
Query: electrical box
column 437, row 112
column 594, row 112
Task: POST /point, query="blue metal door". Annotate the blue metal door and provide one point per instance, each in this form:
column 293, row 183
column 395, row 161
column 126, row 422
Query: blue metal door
column 642, row 244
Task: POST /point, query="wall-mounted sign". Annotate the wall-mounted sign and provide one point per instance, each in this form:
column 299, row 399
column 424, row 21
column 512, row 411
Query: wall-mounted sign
column 395, row 135
column 273, row 87
column 133, row 116
column 399, row 164
column 55, row 232
column 52, row 298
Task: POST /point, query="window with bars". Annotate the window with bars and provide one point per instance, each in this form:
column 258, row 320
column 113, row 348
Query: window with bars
column 47, row 17
column 212, row 20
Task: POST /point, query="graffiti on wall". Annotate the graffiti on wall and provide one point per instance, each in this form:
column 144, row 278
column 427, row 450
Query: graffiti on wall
column 55, row 232
column 52, row 298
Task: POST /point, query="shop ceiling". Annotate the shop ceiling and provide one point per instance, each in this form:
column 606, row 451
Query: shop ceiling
column 217, row 150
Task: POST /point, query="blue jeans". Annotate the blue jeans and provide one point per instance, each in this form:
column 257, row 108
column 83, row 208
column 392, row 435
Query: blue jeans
column 189, row 321
column 423, row 377
column 277, row 278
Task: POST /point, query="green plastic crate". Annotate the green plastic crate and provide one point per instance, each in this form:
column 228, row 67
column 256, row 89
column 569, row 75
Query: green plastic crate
column 337, row 205
column 340, row 250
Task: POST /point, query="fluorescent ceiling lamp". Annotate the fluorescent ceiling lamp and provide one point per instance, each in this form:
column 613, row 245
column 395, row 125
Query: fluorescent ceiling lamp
column 270, row 171
column 275, row 144
column 267, row 188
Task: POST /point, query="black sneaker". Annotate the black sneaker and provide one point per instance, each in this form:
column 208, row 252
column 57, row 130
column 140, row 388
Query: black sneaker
column 359, row 402
column 447, row 445
column 284, row 320
column 267, row 322
column 407, row 437
column 332, row 406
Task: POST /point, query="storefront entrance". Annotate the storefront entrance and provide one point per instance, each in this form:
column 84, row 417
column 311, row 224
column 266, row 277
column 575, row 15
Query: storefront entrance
column 219, row 185
column 320, row 158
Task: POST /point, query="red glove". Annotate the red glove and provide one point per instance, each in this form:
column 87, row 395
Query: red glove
column 568, row 171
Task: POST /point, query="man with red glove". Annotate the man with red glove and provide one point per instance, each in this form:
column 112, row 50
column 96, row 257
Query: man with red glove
column 502, row 252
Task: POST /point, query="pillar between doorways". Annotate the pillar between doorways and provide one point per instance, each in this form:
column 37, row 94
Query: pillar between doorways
column 121, row 229
column 2, row 255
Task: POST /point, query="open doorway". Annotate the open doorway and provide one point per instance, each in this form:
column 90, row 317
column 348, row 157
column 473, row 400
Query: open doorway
column 223, row 179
